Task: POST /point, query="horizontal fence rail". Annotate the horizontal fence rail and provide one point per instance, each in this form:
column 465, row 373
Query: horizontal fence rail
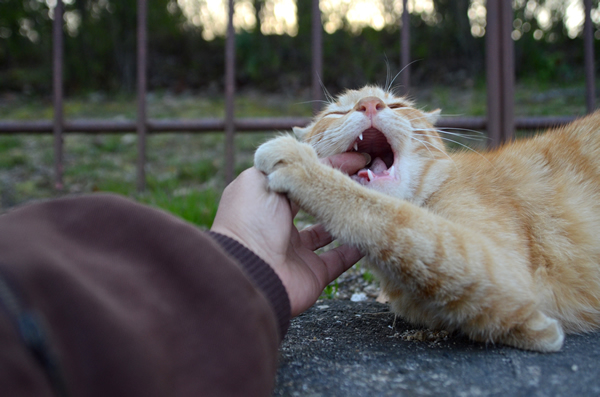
column 500, row 122
column 253, row 124
column 159, row 125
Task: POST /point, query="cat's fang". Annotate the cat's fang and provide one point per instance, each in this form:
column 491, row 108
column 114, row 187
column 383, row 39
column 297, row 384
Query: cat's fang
column 371, row 176
column 392, row 171
column 360, row 137
column 356, row 146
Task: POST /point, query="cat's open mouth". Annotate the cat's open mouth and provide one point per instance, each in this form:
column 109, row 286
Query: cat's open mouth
column 373, row 142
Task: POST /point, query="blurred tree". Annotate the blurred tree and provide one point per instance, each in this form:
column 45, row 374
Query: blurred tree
column 106, row 38
column 304, row 18
column 24, row 45
column 100, row 40
column 259, row 6
column 453, row 27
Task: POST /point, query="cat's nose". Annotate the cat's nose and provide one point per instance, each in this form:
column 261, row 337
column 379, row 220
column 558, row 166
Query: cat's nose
column 370, row 106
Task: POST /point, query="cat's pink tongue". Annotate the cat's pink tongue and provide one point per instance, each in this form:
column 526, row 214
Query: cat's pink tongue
column 377, row 168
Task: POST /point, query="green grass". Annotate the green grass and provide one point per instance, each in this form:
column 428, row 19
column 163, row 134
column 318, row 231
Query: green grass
column 13, row 158
column 198, row 207
column 330, row 291
column 160, row 106
column 184, row 171
column 368, row 276
column 10, row 142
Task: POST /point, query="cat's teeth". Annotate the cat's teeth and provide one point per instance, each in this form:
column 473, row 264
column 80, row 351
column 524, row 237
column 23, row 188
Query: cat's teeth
column 392, row 172
column 355, row 146
column 360, row 137
column 371, row 176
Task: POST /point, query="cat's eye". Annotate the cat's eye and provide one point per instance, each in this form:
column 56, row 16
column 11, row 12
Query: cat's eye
column 338, row 112
column 396, row 106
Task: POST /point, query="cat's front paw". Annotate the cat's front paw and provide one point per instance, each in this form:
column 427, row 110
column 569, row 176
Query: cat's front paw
column 283, row 159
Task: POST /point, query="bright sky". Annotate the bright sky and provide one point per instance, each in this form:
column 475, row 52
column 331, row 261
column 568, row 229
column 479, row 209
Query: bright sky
column 279, row 16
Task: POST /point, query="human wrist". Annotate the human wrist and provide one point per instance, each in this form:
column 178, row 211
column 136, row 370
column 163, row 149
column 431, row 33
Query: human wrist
column 261, row 274
column 246, row 239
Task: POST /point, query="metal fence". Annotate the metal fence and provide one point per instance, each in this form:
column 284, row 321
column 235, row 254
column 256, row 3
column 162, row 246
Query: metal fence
column 500, row 122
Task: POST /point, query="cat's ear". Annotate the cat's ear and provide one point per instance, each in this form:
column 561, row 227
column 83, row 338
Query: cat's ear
column 434, row 116
column 301, row 132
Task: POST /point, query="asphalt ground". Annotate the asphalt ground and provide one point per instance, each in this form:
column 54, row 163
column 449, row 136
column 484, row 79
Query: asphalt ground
column 345, row 348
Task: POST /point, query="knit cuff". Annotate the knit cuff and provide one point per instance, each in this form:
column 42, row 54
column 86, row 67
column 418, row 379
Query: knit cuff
column 263, row 276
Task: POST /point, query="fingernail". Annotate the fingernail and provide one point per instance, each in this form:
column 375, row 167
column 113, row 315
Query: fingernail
column 367, row 157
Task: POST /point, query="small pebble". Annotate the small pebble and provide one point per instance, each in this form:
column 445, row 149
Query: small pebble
column 359, row 297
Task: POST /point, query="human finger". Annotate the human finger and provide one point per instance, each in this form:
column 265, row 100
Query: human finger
column 295, row 208
column 348, row 163
column 339, row 259
column 315, row 237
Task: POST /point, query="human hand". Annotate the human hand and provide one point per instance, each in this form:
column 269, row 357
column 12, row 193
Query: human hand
column 263, row 221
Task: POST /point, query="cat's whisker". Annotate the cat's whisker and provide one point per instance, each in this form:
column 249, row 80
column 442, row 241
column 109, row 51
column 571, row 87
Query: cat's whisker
column 443, row 131
column 478, row 137
column 468, row 148
column 465, row 129
column 388, row 74
column 419, row 118
column 425, row 144
column 389, row 87
column 328, row 96
column 441, row 150
column 459, row 143
column 483, row 135
column 313, row 101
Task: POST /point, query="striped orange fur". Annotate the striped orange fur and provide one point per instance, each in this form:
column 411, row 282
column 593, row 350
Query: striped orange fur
column 502, row 245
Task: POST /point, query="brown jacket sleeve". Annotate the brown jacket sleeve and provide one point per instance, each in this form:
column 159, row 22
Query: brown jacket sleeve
column 123, row 300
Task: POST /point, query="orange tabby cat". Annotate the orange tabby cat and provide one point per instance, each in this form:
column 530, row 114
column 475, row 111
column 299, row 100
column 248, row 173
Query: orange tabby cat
column 502, row 245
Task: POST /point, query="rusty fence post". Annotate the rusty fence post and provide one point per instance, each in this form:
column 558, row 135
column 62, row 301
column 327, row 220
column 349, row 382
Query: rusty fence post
column 229, row 96
column 500, row 71
column 317, row 57
column 492, row 71
column 405, row 49
column 508, row 71
column 141, row 123
column 57, row 93
column 588, row 44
